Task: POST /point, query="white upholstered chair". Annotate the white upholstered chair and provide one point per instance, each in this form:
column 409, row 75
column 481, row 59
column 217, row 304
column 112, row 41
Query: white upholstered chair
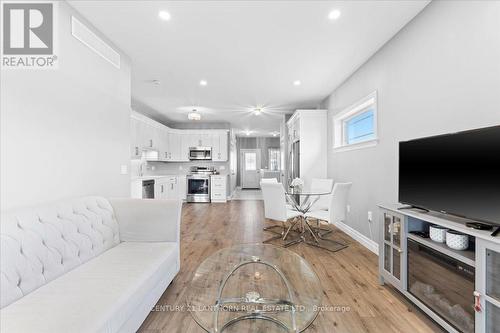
column 337, row 207
column 322, row 185
column 275, row 207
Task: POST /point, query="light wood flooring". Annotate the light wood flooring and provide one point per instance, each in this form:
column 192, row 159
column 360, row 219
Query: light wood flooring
column 349, row 277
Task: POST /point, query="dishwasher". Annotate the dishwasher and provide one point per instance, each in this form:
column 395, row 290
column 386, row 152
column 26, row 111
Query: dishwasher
column 148, row 189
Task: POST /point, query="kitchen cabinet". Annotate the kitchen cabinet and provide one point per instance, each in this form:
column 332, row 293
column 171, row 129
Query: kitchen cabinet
column 487, row 294
column 220, row 147
column 143, row 136
column 174, row 146
column 186, row 142
column 218, row 188
column 163, row 146
column 182, row 184
column 306, row 129
column 167, row 188
column 135, row 140
column 150, row 136
column 391, row 251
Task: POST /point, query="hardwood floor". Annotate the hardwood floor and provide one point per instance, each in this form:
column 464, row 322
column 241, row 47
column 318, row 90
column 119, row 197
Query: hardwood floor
column 349, row 277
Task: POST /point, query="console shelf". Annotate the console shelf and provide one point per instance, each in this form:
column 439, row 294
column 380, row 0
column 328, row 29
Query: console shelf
column 465, row 256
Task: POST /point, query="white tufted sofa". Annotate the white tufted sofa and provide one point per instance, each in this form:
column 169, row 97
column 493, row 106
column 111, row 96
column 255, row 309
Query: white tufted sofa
column 86, row 265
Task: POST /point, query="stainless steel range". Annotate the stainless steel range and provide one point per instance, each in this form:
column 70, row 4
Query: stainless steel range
column 198, row 184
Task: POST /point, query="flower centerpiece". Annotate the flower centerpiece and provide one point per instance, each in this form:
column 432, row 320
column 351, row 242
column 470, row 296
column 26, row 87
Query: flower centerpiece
column 297, row 184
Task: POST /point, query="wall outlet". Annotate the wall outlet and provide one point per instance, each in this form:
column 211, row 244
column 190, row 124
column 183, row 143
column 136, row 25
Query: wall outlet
column 370, row 216
column 124, row 169
column 348, row 208
column 153, row 167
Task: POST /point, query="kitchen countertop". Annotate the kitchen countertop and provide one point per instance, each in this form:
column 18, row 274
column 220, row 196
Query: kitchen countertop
column 153, row 177
column 135, row 178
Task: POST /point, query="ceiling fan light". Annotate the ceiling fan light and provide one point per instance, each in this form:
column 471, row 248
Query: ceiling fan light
column 194, row 116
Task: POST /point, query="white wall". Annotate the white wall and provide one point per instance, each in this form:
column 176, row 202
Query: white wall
column 65, row 132
column 439, row 74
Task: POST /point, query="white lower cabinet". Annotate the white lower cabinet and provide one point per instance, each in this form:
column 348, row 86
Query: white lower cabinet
column 218, row 188
column 487, row 294
column 167, row 188
column 182, row 184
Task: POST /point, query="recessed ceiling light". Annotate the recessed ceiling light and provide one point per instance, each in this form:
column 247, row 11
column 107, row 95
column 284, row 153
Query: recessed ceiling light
column 203, row 82
column 164, row 15
column 257, row 111
column 156, row 82
column 297, row 83
column 334, row 14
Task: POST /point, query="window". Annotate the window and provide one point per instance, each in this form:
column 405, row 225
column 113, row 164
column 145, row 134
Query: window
column 274, row 159
column 356, row 126
column 250, row 161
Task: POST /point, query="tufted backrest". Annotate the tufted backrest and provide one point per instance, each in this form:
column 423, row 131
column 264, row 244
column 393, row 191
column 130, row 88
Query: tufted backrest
column 42, row 243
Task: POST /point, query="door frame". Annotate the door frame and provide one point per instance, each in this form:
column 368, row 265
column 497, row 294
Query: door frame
column 242, row 166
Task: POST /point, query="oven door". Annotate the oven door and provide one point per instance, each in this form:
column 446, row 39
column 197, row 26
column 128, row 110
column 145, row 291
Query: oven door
column 443, row 284
column 198, row 189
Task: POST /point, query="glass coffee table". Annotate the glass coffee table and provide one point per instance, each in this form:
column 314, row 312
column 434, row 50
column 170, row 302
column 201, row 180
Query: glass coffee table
column 254, row 288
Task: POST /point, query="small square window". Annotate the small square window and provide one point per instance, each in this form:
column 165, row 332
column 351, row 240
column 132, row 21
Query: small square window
column 360, row 127
column 356, row 126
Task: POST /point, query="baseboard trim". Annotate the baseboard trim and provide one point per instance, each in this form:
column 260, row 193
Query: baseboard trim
column 359, row 237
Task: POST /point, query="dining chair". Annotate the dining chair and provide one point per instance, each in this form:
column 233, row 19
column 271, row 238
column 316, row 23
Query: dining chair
column 275, row 207
column 322, row 185
column 337, row 208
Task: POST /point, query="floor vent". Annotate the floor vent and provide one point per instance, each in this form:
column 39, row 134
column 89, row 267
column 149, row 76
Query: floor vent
column 87, row 37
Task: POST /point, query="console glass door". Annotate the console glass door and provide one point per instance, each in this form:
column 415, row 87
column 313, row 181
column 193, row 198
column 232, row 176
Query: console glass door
column 492, row 300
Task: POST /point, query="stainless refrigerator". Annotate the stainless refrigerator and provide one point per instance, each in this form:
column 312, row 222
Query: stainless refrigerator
column 294, row 162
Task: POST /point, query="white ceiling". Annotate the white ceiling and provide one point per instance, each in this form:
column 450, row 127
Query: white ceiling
column 250, row 52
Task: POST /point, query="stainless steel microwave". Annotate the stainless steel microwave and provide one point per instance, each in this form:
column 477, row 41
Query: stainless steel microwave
column 200, row 153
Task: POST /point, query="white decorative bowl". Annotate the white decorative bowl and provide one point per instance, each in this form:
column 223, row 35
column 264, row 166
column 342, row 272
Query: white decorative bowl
column 457, row 240
column 438, row 233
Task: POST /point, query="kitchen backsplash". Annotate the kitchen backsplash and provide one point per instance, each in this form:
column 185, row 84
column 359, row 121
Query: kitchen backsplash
column 172, row 168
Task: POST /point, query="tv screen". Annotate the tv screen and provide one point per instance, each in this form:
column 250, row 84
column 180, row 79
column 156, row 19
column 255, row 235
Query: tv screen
column 455, row 173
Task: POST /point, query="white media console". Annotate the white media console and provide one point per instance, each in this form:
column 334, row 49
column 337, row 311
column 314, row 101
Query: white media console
column 460, row 290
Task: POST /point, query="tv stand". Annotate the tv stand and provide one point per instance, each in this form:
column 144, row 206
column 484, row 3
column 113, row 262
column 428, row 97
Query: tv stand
column 401, row 225
column 413, row 207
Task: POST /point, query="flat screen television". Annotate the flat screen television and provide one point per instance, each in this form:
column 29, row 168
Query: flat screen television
column 456, row 174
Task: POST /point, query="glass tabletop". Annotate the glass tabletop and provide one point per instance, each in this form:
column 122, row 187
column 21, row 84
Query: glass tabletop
column 254, row 288
column 305, row 191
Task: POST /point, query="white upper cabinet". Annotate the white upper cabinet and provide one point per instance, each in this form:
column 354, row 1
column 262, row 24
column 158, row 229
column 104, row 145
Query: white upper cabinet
column 205, row 140
column 223, row 146
column 135, row 146
column 173, row 144
column 163, row 146
column 219, row 144
column 186, row 142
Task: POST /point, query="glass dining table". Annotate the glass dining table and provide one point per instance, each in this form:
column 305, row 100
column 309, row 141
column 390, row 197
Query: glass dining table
column 300, row 229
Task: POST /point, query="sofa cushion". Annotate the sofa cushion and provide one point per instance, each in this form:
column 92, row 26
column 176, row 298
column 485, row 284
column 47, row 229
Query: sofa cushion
column 42, row 243
column 98, row 296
